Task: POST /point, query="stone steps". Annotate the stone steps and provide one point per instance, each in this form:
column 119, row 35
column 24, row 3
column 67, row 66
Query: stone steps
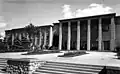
column 3, row 64
column 68, row 68
column 72, row 68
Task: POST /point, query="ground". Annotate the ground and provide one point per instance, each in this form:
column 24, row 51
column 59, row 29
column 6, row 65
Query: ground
column 95, row 58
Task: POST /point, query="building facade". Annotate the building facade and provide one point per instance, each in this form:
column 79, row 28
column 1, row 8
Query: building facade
column 42, row 38
column 100, row 32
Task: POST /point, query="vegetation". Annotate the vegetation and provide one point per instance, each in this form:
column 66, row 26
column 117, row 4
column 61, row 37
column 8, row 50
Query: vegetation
column 72, row 53
column 19, row 45
column 42, row 52
column 118, row 51
column 31, row 30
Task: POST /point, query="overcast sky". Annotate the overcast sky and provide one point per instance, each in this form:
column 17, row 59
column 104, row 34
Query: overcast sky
column 18, row 13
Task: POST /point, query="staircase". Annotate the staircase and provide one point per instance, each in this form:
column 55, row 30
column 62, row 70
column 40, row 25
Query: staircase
column 68, row 68
column 3, row 64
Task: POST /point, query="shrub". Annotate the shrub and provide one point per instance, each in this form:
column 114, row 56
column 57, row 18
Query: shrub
column 42, row 52
column 118, row 48
column 72, row 53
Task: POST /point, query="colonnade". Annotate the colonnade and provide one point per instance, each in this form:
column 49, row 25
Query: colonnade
column 37, row 41
column 100, row 40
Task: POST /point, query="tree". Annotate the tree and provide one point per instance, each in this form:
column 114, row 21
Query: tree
column 32, row 32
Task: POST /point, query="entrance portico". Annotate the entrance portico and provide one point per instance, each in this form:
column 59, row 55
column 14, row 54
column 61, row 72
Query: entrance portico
column 90, row 30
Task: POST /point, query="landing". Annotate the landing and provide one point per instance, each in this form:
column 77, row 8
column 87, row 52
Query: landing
column 95, row 58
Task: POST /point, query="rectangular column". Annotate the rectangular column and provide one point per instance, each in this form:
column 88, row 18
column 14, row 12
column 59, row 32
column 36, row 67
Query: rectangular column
column 45, row 38
column 23, row 34
column 78, row 35
column 60, row 36
column 16, row 35
column 50, row 37
column 100, row 35
column 40, row 37
column 35, row 40
column 19, row 36
column 112, row 41
column 27, row 36
column 13, row 37
column 88, row 35
column 69, row 36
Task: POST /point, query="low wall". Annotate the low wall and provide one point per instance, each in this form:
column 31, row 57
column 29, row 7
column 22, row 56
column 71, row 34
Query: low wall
column 23, row 66
column 29, row 65
column 110, row 70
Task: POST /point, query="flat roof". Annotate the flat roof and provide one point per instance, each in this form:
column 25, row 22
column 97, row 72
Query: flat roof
column 24, row 28
column 89, row 17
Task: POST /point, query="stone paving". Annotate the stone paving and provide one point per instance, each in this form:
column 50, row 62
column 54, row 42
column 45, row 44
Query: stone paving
column 95, row 58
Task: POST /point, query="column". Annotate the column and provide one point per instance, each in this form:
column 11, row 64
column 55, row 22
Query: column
column 40, row 39
column 45, row 38
column 50, row 37
column 27, row 36
column 35, row 40
column 19, row 36
column 16, row 35
column 88, row 35
column 100, row 35
column 78, row 35
column 23, row 34
column 69, row 36
column 13, row 37
column 112, row 41
column 60, row 36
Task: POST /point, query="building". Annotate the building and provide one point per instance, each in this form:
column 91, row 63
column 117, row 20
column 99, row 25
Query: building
column 99, row 32
column 44, row 37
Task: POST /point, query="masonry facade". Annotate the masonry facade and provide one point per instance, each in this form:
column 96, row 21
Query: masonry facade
column 43, row 38
column 100, row 32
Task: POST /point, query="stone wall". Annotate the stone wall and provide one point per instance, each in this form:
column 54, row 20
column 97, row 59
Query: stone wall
column 23, row 66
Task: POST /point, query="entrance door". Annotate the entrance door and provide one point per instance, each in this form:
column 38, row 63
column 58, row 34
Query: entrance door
column 55, row 40
column 106, row 45
column 83, row 45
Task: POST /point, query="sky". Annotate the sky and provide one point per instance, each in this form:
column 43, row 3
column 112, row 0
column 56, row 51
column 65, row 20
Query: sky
column 19, row 13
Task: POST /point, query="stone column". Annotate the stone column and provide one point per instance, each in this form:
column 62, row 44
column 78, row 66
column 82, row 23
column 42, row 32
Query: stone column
column 40, row 39
column 50, row 37
column 88, row 35
column 16, row 35
column 45, row 38
column 69, row 36
column 23, row 34
column 13, row 37
column 60, row 36
column 112, row 41
column 19, row 36
column 35, row 40
column 78, row 35
column 100, row 35
column 27, row 36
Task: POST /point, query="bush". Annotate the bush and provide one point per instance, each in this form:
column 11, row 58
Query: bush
column 72, row 53
column 118, row 48
column 53, row 48
column 42, row 52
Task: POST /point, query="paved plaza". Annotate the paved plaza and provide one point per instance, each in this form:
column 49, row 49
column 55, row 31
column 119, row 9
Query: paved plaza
column 95, row 58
